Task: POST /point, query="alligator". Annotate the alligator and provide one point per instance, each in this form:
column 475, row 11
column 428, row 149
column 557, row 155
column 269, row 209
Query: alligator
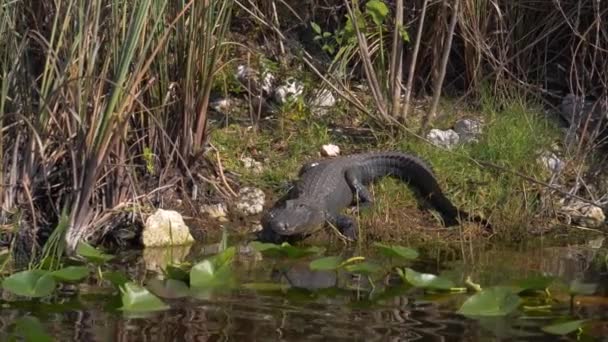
column 326, row 187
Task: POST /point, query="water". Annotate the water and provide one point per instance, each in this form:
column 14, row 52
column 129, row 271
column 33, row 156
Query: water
column 320, row 306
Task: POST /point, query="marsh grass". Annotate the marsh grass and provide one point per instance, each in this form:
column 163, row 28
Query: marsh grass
column 94, row 96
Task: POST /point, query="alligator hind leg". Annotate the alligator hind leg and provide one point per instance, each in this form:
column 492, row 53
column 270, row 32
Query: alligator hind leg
column 346, row 226
column 362, row 196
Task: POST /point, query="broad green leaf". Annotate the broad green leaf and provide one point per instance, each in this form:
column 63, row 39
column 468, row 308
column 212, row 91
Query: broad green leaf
column 178, row 272
column 266, row 286
column 315, row 27
column 395, row 251
column 138, row 299
column 31, row 329
column 168, row 288
column 117, row 278
column 563, row 328
column 377, row 10
column 92, row 254
column 34, row 283
column 206, row 275
column 224, row 257
column 579, row 288
column 535, row 283
column 365, row 268
column 71, row 273
column 329, row 263
column 426, row 280
column 285, row 250
column 492, row 301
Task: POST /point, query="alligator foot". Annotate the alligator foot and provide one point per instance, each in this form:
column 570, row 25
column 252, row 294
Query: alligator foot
column 346, row 226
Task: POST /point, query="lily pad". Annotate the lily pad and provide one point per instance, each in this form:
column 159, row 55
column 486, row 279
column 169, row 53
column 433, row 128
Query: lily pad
column 395, row 251
column 71, row 273
column 115, row 277
column 206, row 275
column 33, row 283
column 535, row 283
column 92, row 254
column 31, row 329
column 329, row 263
column 178, row 272
column 138, row 299
column 492, row 301
column 563, row 328
column 365, row 268
column 168, row 288
column 426, row 280
column 285, row 250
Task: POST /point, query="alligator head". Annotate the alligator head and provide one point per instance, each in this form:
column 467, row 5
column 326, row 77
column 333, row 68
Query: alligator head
column 293, row 217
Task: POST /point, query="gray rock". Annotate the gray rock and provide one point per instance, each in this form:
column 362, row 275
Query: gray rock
column 252, row 164
column 447, row 139
column 250, row 202
column 291, row 89
column 217, row 211
column 165, row 228
column 330, row 150
column 250, row 79
column 551, row 162
column 583, row 214
column 323, row 98
column 468, row 130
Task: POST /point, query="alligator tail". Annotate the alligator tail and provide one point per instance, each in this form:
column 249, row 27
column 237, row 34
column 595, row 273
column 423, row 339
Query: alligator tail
column 415, row 172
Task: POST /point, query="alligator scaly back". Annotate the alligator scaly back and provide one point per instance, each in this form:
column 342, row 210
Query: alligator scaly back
column 326, row 187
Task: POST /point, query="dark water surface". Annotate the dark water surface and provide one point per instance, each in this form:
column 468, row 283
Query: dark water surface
column 325, row 306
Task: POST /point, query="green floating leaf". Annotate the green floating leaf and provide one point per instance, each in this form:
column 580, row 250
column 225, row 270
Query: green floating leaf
column 224, row 257
column 206, row 275
column 168, row 288
column 329, row 263
column 178, row 272
column 493, row 301
column 33, row 283
column 426, row 280
column 365, row 268
column 115, row 277
column 535, row 283
column 377, row 10
column 285, row 250
column 563, row 328
column 266, row 286
column 71, row 273
column 394, row 251
column 138, row 299
column 31, row 329
column 579, row 288
column 92, row 254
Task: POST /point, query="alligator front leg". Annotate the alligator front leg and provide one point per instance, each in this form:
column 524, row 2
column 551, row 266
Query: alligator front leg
column 346, row 226
column 362, row 196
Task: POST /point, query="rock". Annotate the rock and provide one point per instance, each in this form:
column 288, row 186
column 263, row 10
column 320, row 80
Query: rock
column 222, row 105
column 157, row 259
column 447, row 139
column 330, row 150
column 468, row 130
column 551, row 162
column 292, row 88
column 165, row 228
column 583, row 214
column 250, row 201
column 216, row 211
column 252, row 164
column 324, row 98
column 250, row 79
